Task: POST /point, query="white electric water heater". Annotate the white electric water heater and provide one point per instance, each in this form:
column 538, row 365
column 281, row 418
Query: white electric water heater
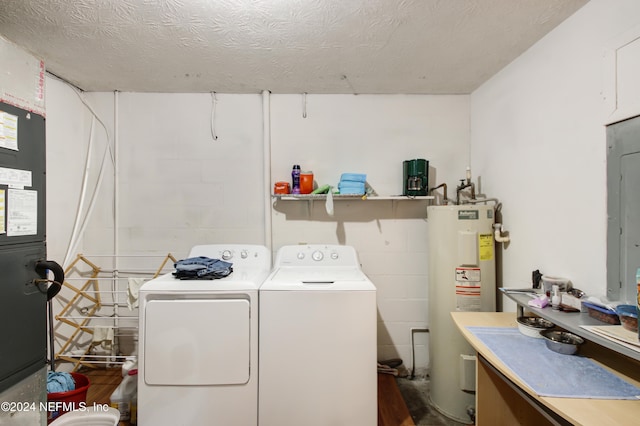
column 462, row 277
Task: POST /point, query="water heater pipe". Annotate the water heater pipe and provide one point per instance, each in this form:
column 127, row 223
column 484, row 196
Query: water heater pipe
column 483, row 200
column 413, row 350
column 497, row 227
column 266, row 153
column 445, row 200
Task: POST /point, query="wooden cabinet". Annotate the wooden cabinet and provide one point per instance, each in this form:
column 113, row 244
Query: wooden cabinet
column 503, row 399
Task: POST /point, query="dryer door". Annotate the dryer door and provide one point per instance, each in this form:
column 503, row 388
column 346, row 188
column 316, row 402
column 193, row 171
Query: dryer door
column 197, row 342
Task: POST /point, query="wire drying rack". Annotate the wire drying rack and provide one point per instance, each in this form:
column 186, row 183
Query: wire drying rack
column 100, row 312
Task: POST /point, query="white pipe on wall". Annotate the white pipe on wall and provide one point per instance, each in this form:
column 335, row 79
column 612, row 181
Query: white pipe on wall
column 116, row 168
column 266, row 138
column 116, row 220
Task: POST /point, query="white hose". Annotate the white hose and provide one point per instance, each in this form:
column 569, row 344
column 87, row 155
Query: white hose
column 77, row 233
column 74, row 243
column 83, row 192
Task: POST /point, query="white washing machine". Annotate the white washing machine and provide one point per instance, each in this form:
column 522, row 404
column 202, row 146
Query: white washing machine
column 318, row 363
column 198, row 343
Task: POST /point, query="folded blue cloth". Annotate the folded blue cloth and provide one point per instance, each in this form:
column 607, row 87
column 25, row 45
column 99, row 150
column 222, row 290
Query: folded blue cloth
column 347, row 187
column 60, row 382
column 353, row 177
column 354, row 185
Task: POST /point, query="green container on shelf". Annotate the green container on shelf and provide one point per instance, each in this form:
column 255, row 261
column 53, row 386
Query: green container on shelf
column 415, row 177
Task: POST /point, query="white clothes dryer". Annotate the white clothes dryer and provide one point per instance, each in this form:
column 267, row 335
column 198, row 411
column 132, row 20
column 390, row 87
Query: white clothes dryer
column 198, row 343
column 318, row 361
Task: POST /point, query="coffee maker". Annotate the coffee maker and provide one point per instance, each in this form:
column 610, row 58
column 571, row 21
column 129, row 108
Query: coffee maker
column 415, row 180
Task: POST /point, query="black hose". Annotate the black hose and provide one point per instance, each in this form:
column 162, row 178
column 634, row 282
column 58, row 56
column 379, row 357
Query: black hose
column 42, row 268
column 58, row 276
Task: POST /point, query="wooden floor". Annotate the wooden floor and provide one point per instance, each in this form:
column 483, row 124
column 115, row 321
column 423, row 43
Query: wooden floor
column 102, row 384
column 392, row 410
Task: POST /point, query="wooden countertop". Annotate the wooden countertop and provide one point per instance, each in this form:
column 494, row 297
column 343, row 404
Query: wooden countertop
column 577, row 411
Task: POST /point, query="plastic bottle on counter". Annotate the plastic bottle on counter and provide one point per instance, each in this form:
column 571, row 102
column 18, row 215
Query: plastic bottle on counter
column 295, row 179
column 555, row 296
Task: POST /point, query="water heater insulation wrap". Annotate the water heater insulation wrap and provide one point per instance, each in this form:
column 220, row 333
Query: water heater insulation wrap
column 462, row 277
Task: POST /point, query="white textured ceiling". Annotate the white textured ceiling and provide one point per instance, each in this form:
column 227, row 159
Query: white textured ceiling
column 285, row 46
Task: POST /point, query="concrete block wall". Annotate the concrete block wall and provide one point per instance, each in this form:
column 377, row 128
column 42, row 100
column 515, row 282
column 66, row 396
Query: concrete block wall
column 371, row 135
column 178, row 187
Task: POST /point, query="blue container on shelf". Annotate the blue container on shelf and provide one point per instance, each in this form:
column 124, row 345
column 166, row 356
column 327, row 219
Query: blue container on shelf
column 601, row 313
column 628, row 315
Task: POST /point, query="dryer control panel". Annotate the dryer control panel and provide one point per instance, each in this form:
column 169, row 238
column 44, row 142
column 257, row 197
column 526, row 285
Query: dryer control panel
column 244, row 255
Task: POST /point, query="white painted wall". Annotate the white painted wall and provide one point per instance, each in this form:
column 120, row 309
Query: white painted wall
column 372, row 135
column 538, row 143
column 70, row 135
column 178, row 187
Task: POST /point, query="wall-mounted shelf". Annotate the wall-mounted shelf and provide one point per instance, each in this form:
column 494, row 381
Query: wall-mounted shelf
column 347, row 197
column 571, row 322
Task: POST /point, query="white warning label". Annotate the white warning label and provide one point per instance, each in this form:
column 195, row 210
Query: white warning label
column 468, row 290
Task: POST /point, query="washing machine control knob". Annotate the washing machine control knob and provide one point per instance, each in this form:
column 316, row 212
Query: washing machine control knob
column 300, row 255
column 244, row 254
column 226, row 255
column 317, row 255
column 334, row 255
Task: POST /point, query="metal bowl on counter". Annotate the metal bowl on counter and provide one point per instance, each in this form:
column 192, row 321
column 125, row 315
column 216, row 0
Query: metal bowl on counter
column 562, row 342
column 532, row 326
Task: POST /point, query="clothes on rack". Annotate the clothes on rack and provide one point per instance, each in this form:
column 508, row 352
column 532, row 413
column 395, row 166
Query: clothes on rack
column 102, row 290
column 103, row 336
column 133, row 290
column 202, row 268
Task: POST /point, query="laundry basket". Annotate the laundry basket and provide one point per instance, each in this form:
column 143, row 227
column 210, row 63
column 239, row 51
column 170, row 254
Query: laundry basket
column 62, row 402
column 105, row 416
